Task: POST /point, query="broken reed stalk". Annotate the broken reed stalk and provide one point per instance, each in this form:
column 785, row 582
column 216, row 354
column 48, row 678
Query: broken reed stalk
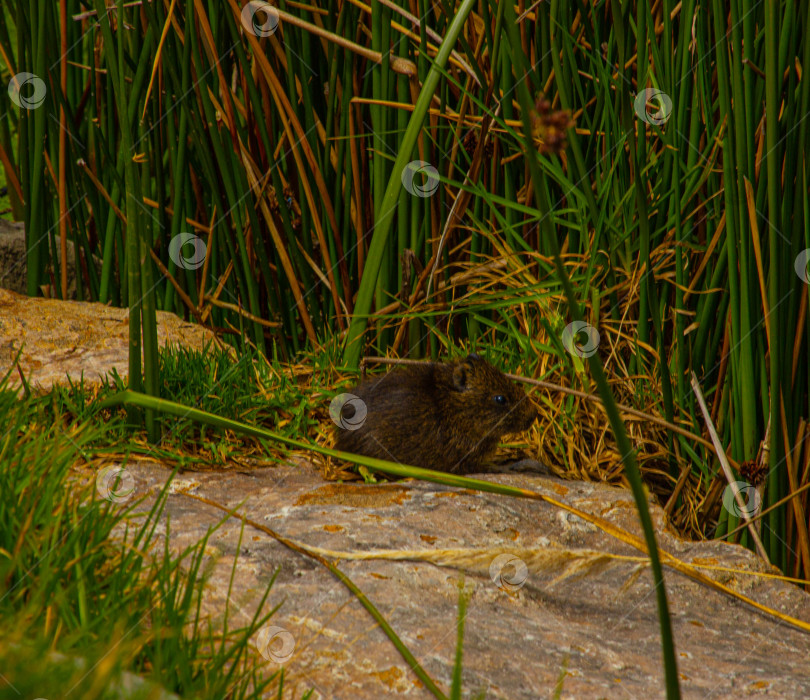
column 732, row 482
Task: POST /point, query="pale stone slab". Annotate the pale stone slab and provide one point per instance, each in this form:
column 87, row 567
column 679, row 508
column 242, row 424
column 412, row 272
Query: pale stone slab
column 600, row 630
column 68, row 338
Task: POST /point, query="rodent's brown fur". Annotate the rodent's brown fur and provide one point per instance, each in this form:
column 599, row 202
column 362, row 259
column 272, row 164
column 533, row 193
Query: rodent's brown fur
column 443, row 416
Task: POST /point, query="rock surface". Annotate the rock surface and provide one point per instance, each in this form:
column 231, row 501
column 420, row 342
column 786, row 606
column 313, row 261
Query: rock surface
column 13, row 262
column 598, row 633
column 12, row 256
column 61, row 338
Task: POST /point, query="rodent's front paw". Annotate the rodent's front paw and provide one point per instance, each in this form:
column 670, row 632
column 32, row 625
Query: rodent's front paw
column 527, row 466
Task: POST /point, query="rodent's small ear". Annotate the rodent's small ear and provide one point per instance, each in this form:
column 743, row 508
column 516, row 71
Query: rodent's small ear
column 473, row 356
column 460, row 375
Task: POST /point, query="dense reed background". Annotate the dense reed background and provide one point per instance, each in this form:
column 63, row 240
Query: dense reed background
column 679, row 196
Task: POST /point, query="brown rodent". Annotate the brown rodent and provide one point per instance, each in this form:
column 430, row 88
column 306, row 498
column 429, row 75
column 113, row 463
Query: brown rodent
column 443, row 416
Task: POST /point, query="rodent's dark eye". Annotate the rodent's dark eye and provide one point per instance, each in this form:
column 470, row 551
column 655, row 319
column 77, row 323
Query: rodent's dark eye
column 500, row 399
